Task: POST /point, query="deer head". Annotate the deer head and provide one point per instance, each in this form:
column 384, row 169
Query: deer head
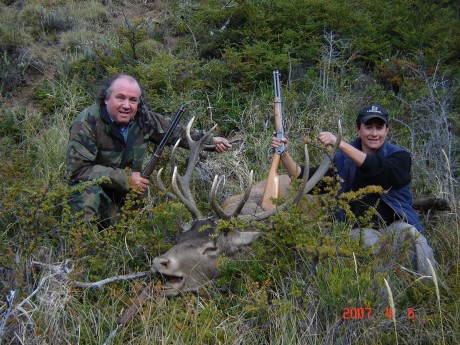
column 192, row 262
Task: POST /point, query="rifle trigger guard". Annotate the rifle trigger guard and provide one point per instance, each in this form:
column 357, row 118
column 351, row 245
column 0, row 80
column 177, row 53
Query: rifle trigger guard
column 280, row 150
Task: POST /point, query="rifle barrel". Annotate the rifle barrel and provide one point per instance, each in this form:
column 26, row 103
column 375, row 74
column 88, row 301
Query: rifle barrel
column 279, row 118
column 153, row 162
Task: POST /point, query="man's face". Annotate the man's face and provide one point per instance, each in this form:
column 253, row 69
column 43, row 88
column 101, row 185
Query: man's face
column 373, row 134
column 123, row 100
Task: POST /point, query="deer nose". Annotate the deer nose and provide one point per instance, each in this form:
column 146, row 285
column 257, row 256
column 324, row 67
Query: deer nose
column 165, row 265
column 161, row 262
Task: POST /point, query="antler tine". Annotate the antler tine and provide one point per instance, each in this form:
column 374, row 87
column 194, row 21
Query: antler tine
column 188, row 129
column 162, row 186
column 218, row 209
column 199, row 142
column 324, row 166
column 195, row 148
column 189, row 204
column 301, row 190
column 181, row 183
column 182, row 180
column 172, row 159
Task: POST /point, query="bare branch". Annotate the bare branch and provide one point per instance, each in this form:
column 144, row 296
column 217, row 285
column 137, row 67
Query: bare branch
column 62, row 273
column 9, row 305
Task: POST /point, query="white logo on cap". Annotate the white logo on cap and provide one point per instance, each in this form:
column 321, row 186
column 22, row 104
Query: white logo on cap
column 374, row 109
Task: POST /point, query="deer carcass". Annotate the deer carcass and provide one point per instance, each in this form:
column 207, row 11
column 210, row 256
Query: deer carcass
column 191, row 263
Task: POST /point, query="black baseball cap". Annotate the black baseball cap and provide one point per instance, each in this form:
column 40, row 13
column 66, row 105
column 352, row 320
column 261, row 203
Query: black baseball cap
column 370, row 112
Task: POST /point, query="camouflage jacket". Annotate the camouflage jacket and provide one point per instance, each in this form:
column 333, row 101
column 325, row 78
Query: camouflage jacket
column 96, row 146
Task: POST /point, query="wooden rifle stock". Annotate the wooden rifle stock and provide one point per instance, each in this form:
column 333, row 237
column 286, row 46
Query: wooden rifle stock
column 153, row 162
column 137, row 305
column 272, row 187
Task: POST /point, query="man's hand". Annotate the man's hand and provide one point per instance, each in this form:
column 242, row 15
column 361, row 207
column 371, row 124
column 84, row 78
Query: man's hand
column 276, row 142
column 221, row 144
column 327, row 138
column 138, row 181
column 357, row 156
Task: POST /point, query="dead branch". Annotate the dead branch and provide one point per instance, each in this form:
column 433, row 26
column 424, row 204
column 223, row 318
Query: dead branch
column 434, row 203
column 62, row 272
column 9, row 304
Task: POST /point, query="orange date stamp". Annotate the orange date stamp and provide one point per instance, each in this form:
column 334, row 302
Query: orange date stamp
column 360, row 313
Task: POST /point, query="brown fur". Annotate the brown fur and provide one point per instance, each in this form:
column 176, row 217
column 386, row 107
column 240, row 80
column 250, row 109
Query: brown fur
column 255, row 197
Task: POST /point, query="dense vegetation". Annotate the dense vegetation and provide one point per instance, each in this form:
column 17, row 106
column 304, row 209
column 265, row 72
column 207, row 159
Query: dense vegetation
column 217, row 57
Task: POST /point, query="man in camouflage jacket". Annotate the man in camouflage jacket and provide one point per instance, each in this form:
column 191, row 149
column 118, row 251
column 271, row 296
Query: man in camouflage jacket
column 109, row 139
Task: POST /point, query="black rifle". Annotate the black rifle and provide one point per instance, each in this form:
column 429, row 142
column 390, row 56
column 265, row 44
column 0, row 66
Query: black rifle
column 153, row 162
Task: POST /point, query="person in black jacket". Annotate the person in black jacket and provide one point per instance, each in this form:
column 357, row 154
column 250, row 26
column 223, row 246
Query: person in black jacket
column 370, row 160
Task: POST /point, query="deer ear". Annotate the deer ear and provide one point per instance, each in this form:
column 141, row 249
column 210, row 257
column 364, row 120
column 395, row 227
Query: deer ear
column 239, row 239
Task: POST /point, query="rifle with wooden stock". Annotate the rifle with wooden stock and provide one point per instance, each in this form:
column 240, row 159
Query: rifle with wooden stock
column 272, row 187
column 153, row 162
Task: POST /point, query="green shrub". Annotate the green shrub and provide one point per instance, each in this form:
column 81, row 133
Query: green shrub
column 12, row 33
column 47, row 22
column 8, row 125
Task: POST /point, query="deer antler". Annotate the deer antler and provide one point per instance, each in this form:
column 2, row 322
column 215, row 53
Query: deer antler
column 162, row 187
column 182, row 191
column 218, row 209
column 308, row 183
column 305, row 187
column 181, row 183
